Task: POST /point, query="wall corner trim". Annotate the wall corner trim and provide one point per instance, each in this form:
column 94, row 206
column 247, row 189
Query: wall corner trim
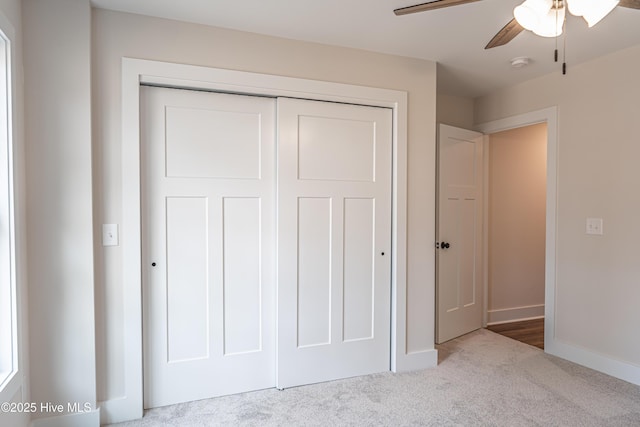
column 419, row 360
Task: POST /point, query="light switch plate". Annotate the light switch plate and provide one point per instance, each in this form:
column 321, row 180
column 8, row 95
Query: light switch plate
column 109, row 234
column 594, row 226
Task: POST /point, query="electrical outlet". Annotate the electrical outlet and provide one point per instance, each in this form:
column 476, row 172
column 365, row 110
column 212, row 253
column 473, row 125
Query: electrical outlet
column 594, row 226
column 109, row 234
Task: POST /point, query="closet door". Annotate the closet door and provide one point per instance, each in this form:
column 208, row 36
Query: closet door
column 334, row 241
column 208, row 208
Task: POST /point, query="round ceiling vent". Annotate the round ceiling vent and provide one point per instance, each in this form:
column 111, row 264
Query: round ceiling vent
column 519, row 62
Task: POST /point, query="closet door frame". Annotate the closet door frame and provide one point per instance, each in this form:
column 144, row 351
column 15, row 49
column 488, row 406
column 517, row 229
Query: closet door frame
column 136, row 72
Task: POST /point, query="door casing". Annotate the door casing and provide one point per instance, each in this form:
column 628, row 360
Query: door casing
column 550, row 117
column 136, row 72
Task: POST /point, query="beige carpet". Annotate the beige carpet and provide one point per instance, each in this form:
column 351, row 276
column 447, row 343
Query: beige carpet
column 483, row 379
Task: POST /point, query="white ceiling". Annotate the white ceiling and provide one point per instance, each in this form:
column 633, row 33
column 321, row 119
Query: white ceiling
column 454, row 37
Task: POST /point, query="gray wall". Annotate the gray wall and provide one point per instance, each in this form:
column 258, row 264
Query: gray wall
column 57, row 65
column 597, row 292
column 72, row 63
column 118, row 35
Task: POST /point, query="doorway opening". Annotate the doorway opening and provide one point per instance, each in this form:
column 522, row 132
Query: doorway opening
column 548, row 116
column 467, row 289
column 515, row 224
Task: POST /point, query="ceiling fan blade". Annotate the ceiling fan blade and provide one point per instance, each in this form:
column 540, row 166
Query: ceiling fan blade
column 506, row 34
column 633, row 4
column 437, row 4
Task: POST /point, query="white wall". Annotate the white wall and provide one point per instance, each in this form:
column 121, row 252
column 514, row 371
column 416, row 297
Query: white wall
column 516, row 223
column 57, row 63
column 118, row 35
column 18, row 390
column 597, row 155
column 597, row 292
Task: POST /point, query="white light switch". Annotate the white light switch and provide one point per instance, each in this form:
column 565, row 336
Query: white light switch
column 594, row 226
column 109, row 234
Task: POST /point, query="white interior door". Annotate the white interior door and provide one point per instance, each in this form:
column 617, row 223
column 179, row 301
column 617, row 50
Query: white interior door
column 334, row 241
column 459, row 253
column 208, row 237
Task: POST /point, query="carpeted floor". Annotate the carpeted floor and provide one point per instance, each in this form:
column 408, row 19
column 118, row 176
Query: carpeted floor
column 483, row 379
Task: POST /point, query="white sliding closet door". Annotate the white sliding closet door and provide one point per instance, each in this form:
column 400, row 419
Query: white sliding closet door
column 210, row 252
column 334, row 241
column 208, row 244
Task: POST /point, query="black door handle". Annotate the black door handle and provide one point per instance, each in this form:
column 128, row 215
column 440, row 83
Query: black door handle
column 445, row 245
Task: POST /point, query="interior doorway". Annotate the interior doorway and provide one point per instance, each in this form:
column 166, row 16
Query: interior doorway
column 515, row 225
column 547, row 117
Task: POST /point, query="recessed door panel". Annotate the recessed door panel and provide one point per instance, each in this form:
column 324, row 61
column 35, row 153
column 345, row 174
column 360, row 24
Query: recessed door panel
column 242, row 274
column 187, row 278
column 212, row 143
column 332, row 148
column 469, row 258
column 314, row 271
column 358, row 263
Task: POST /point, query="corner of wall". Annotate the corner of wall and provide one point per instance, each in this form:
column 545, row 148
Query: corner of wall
column 455, row 111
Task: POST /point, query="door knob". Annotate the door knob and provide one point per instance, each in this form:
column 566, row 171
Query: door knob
column 445, row 245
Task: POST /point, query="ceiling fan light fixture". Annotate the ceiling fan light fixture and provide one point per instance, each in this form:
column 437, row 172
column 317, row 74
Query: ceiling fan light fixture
column 591, row 10
column 551, row 24
column 541, row 17
column 529, row 13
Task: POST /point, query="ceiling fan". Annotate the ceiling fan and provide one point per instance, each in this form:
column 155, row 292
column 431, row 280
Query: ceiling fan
column 551, row 10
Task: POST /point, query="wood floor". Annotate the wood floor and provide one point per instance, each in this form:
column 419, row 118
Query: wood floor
column 529, row 331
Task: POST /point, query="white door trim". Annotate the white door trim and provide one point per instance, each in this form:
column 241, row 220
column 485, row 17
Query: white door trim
column 136, row 72
column 550, row 117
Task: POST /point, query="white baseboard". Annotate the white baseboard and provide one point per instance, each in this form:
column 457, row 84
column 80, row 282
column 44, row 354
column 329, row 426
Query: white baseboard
column 14, row 419
column 515, row 314
column 82, row 419
column 599, row 362
column 119, row 410
column 417, row 360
